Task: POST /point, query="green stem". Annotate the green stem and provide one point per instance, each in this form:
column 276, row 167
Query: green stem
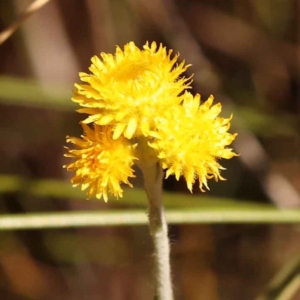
column 153, row 176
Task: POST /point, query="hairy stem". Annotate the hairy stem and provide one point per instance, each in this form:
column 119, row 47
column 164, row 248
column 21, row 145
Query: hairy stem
column 153, row 176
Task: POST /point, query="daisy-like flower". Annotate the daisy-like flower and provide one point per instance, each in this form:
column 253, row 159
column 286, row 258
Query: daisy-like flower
column 128, row 89
column 141, row 110
column 101, row 163
column 190, row 138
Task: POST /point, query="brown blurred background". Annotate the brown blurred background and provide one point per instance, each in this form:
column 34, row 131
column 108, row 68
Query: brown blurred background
column 246, row 53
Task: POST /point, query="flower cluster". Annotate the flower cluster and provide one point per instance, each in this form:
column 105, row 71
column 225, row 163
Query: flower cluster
column 140, row 95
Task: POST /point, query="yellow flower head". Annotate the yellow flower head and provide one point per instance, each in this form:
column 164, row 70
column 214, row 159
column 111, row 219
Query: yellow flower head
column 190, row 138
column 129, row 88
column 101, row 163
column 139, row 98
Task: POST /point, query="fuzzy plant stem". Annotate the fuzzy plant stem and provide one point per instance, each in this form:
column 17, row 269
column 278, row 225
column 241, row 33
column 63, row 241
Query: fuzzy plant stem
column 153, row 176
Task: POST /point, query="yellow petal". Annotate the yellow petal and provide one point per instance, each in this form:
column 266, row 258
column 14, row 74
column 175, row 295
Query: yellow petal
column 118, row 130
column 105, row 120
column 131, row 128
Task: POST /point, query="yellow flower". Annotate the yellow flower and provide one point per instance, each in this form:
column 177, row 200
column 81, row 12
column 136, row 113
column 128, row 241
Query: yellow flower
column 139, row 105
column 128, row 89
column 101, row 163
column 189, row 138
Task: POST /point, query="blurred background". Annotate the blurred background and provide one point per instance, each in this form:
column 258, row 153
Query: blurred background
column 245, row 53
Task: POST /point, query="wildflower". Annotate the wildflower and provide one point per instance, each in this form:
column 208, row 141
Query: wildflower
column 190, row 138
column 129, row 88
column 141, row 110
column 101, row 163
